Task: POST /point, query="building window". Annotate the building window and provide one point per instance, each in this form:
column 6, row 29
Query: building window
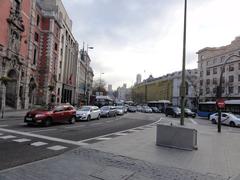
column 201, row 82
column 36, row 36
column 208, row 72
column 35, row 56
column 214, row 90
column 201, row 73
column 231, row 67
column 201, row 92
column 58, row 91
column 207, row 90
column 231, row 79
column 223, row 80
column 56, row 47
column 230, row 89
column 38, row 20
column 60, row 64
column 214, row 80
column 208, row 81
column 59, row 76
column 238, row 89
column 215, row 70
column 239, row 77
column 238, row 66
column 223, row 69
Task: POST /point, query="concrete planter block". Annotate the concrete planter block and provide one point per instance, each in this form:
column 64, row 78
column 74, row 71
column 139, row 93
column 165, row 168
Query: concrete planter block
column 176, row 136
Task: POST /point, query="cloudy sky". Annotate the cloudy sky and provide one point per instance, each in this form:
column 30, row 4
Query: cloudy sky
column 145, row 36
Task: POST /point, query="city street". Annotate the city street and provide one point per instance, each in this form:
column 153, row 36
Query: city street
column 20, row 144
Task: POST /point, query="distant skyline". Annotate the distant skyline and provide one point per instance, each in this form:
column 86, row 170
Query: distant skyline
column 133, row 36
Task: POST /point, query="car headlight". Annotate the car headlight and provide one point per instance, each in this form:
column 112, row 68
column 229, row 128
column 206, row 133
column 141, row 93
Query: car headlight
column 39, row 116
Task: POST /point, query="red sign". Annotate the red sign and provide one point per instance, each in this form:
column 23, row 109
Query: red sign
column 220, row 103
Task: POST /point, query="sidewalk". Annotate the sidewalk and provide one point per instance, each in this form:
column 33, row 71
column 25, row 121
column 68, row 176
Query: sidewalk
column 13, row 114
column 136, row 157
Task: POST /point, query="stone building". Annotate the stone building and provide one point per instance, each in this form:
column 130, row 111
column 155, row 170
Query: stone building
column 167, row 88
column 84, row 78
column 210, row 65
column 15, row 56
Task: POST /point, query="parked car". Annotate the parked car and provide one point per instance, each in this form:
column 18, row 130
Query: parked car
column 173, row 111
column 189, row 113
column 48, row 115
column 226, row 118
column 120, row 110
column 155, row 110
column 139, row 108
column 126, row 108
column 147, row 109
column 88, row 113
column 132, row 109
column 108, row 111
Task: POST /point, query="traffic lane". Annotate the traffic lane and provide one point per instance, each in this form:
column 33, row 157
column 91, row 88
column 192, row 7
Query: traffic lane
column 21, row 150
column 100, row 128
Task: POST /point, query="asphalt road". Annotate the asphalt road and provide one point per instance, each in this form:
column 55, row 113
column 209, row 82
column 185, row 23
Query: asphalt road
column 21, row 144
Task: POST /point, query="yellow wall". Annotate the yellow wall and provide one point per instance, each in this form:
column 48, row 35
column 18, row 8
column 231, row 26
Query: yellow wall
column 157, row 90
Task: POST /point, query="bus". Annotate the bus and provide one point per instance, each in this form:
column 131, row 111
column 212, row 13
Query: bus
column 161, row 104
column 103, row 101
column 205, row 109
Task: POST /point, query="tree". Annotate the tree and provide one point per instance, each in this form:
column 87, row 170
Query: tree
column 99, row 86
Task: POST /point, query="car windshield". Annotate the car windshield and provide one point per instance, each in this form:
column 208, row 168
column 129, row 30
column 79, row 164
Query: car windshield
column 105, row 108
column 119, row 107
column 177, row 109
column 85, row 109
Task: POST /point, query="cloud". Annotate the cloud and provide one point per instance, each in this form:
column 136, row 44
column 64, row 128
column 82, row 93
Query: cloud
column 130, row 36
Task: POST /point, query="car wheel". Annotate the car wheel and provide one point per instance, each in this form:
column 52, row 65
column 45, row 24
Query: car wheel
column 232, row 124
column 48, row 122
column 98, row 118
column 214, row 121
column 72, row 120
column 88, row 118
column 166, row 115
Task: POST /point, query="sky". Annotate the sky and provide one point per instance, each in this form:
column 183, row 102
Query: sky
column 146, row 36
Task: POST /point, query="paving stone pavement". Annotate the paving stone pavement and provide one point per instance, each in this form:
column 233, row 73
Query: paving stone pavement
column 85, row 164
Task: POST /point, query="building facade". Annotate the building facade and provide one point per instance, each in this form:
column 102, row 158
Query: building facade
column 15, row 56
column 210, row 65
column 167, row 88
column 84, row 78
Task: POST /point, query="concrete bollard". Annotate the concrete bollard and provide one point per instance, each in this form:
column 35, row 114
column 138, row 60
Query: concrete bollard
column 176, row 136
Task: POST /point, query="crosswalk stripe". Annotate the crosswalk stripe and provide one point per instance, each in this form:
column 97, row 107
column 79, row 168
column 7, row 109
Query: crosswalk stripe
column 21, row 140
column 103, row 139
column 57, row 148
column 1, row 134
column 7, row 137
column 38, row 144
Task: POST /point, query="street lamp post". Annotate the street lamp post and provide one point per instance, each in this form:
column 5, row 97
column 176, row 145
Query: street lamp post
column 86, row 71
column 219, row 89
column 183, row 85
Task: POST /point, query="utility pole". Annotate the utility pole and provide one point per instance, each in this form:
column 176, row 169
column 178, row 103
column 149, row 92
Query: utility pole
column 183, row 85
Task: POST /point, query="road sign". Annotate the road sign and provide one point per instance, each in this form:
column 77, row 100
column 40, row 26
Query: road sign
column 220, row 103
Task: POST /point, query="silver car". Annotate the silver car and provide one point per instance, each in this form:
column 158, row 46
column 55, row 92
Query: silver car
column 88, row 113
column 120, row 110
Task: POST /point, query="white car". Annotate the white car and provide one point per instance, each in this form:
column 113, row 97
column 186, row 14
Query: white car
column 120, row 110
column 226, row 118
column 88, row 113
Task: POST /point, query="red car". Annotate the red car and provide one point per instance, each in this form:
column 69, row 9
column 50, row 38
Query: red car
column 47, row 116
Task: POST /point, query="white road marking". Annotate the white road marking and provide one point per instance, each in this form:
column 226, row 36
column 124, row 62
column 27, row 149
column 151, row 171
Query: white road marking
column 193, row 121
column 39, row 144
column 57, row 148
column 43, row 130
column 21, row 140
column 121, row 134
column 3, row 125
column 44, row 137
column 1, row 134
column 7, row 137
column 103, row 139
